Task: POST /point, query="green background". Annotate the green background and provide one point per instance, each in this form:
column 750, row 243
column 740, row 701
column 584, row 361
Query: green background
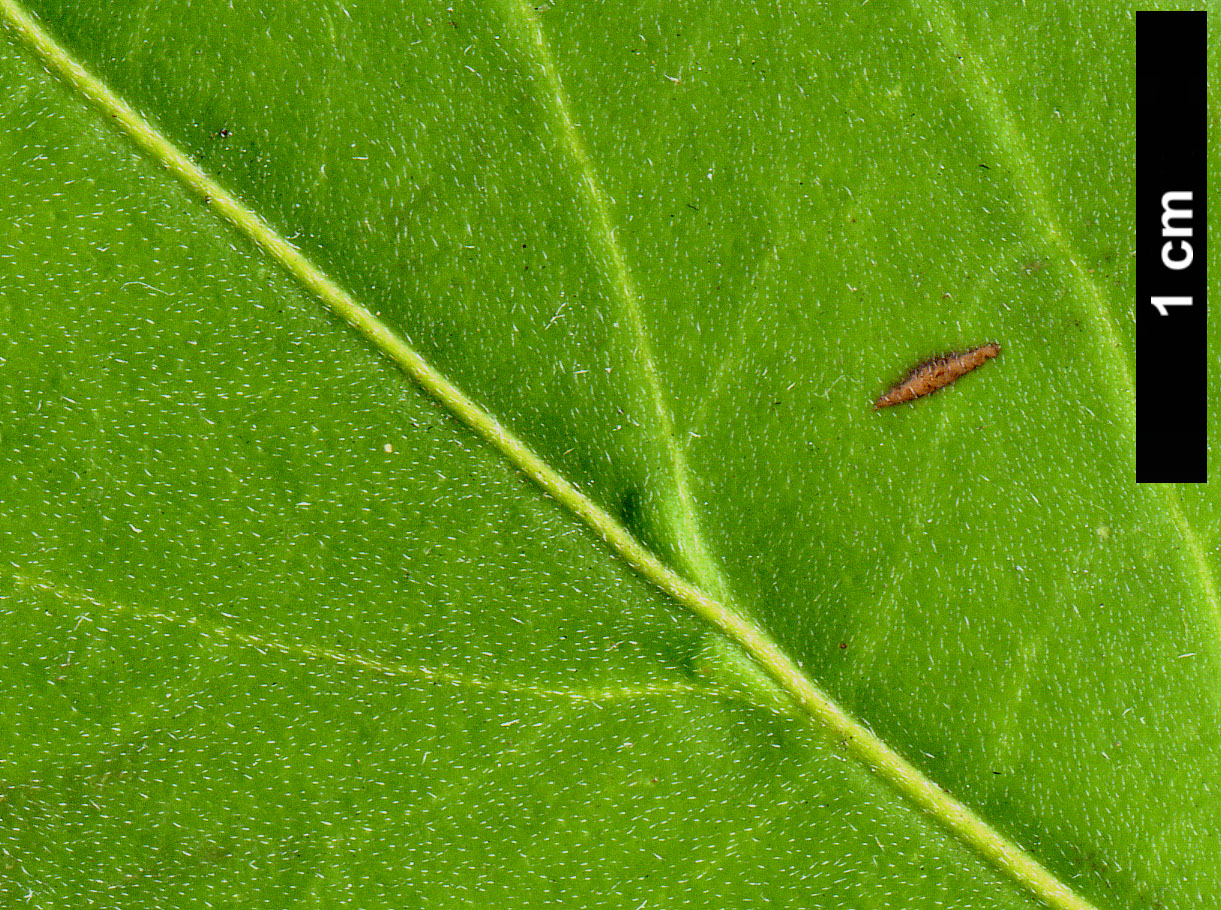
column 279, row 631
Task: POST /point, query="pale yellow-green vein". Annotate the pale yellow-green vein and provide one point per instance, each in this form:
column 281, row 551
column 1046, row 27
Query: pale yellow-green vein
column 857, row 739
column 600, row 225
column 229, row 634
column 990, row 106
column 981, row 89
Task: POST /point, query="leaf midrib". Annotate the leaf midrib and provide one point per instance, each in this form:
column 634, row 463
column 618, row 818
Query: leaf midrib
column 858, row 740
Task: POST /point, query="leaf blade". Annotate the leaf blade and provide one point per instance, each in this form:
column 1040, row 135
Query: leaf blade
column 661, row 528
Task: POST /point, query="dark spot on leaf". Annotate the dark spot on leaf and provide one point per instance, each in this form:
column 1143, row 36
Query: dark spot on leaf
column 631, row 512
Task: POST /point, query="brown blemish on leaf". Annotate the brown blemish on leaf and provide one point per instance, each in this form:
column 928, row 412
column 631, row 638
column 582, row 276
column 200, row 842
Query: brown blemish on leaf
column 934, row 375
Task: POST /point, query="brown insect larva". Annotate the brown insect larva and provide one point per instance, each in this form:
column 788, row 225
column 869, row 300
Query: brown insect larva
column 936, row 374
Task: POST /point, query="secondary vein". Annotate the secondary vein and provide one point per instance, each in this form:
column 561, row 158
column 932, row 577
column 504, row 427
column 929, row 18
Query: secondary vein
column 231, row 634
column 982, row 90
column 533, row 41
column 722, row 614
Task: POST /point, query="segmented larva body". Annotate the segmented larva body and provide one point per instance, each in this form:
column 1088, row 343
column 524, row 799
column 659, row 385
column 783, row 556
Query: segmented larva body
column 934, row 375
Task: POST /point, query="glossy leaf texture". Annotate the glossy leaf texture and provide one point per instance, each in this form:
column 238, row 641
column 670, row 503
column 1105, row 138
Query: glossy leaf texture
column 281, row 630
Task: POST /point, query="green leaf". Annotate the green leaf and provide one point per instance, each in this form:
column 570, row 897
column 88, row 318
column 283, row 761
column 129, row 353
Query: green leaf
column 438, row 464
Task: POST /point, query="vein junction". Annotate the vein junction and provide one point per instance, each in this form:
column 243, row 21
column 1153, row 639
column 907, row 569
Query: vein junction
column 716, row 608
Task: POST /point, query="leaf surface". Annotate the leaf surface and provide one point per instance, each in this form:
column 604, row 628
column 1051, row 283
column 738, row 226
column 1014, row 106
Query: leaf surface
column 286, row 628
